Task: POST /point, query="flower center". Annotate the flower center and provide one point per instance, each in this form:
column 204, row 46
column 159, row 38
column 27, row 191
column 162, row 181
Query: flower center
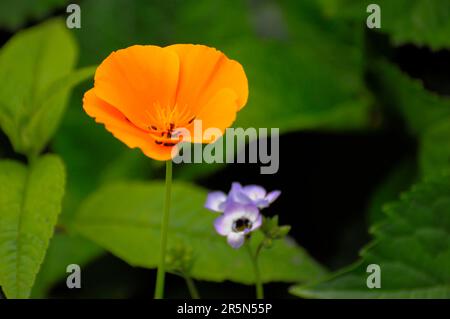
column 167, row 120
column 241, row 224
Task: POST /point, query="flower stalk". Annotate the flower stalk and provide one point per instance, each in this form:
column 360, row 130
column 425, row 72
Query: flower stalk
column 254, row 260
column 159, row 289
column 191, row 286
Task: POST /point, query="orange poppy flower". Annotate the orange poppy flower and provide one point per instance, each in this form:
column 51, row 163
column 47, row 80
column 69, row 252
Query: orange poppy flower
column 143, row 94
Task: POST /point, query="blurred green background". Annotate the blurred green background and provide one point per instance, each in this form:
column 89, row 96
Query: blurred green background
column 364, row 114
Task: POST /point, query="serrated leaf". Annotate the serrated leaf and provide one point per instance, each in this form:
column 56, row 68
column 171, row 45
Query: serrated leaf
column 420, row 108
column 398, row 180
column 36, row 71
column 427, row 115
column 30, row 201
column 411, row 246
column 434, row 155
column 421, row 22
column 125, row 219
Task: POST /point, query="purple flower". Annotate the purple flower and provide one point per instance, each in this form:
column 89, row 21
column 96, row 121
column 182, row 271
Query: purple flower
column 237, row 221
column 250, row 194
column 240, row 210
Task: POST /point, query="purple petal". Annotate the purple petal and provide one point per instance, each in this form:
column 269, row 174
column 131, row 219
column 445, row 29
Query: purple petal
column 235, row 188
column 241, row 198
column 215, row 201
column 272, row 196
column 254, row 192
column 237, row 210
column 235, row 240
column 262, row 203
column 257, row 223
column 236, row 195
column 223, row 224
column 223, row 205
column 252, row 212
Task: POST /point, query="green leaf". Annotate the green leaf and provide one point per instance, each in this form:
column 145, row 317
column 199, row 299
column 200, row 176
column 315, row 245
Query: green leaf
column 398, row 180
column 412, row 248
column 297, row 89
column 36, row 72
column 434, row 150
column 420, row 108
column 421, row 22
column 51, row 107
column 30, row 201
column 15, row 13
column 294, row 81
column 64, row 249
column 331, row 89
column 125, row 219
column 93, row 156
column 427, row 115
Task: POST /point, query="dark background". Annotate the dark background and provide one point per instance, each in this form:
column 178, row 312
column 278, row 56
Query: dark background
column 323, row 176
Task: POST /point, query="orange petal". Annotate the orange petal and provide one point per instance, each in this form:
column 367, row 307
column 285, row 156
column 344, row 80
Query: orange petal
column 135, row 79
column 218, row 113
column 116, row 123
column 204, row 71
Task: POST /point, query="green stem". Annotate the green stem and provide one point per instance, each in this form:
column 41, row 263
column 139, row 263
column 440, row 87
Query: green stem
column 191, row 286
column 254, row 259
column 159, row 290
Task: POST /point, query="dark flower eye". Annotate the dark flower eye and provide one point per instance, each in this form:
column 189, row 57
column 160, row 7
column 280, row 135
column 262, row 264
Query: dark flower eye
column 241, row 224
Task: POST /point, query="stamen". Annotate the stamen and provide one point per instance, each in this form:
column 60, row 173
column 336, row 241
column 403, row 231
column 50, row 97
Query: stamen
column 168, row 118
